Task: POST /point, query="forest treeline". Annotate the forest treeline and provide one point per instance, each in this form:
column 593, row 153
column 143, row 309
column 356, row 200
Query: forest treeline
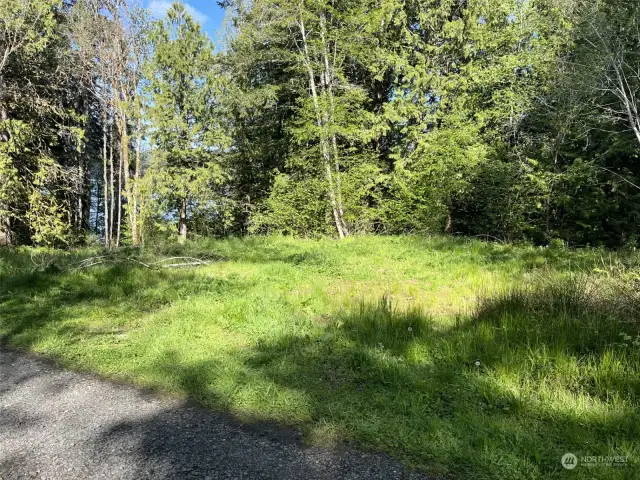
column 515, row 119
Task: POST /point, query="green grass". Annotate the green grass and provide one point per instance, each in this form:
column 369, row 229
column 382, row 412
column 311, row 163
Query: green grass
column 373, row 339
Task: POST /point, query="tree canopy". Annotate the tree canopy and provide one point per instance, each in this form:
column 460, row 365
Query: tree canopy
column 512, row 119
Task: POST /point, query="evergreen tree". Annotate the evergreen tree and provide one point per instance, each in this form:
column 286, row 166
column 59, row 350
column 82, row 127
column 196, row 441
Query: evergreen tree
column 42, row 124
column 184, row 86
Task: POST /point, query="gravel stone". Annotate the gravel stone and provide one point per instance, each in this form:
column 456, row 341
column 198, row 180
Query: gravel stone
column 56, row 424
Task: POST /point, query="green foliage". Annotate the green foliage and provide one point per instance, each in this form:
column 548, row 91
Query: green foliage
column 184, row 85
column 446, row 100
column 27, row 27
column 503, row 200
column 423, row 186
column 306, row 67
column 294, row 207
column 40, row 127
column 299, row 207
column 517, row 120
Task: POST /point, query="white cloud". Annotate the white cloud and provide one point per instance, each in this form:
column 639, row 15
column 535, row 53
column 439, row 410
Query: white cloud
column 159, row 8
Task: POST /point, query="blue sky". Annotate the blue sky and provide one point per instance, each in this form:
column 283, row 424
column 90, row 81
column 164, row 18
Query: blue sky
column 207, row 12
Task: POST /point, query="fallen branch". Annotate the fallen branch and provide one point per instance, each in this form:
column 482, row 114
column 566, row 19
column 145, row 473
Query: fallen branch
column 172, row 265
column 114, row 259
column 194, row 261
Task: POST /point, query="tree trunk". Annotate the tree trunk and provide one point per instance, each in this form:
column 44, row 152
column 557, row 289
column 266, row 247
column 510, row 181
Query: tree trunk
column 124, row 153
column 5, row 230
column 111, row 187
column 182, row 225
column 88, row 197
column 328, row 85
column 81, row 186
column 448, row 228
column 105, row 182
column 119, row 227
column 5, row 221
column 136, row 188
column 323, row 137
column 4, row 116
column 124, row 146
column 96, row 224
column 85, row 178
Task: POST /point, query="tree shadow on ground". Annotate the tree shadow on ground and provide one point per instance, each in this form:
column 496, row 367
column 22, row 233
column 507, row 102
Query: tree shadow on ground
column 401, row 383
column 504, row 393
column 34, row 305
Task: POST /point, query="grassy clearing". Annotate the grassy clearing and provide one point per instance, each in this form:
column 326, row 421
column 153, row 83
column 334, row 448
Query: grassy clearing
column 463, row 358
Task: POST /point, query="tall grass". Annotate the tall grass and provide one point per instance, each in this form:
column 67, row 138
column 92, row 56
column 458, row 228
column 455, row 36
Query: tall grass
column 463, row 358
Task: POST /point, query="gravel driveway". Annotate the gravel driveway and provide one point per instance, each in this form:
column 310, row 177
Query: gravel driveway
column 58, row 424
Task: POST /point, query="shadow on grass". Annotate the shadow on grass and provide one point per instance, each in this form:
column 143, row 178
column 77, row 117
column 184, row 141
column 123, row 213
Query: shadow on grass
column 504, row 393
column 553, row 377
column 33, row 305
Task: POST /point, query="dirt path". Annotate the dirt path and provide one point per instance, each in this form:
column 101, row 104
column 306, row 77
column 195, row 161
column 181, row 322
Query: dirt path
column 57, row 424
